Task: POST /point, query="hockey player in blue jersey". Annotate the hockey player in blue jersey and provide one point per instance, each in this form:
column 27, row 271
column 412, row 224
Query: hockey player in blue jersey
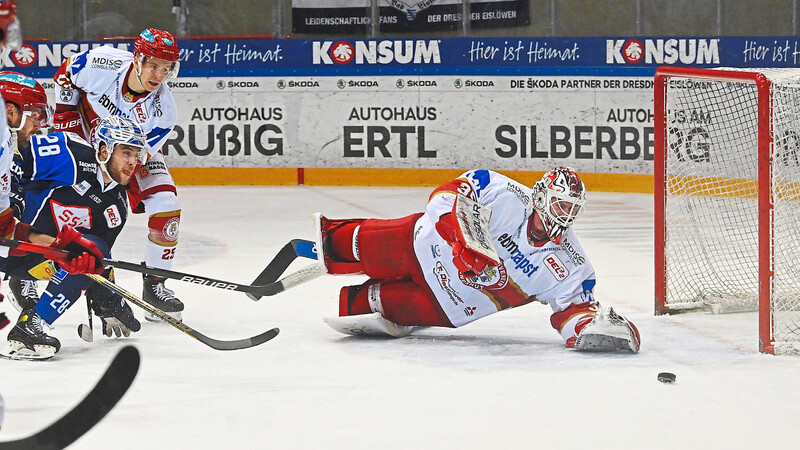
column 72, row 187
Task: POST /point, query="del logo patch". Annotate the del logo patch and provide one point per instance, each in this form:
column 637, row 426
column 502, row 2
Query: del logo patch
column 557, row 268
column 113, row 218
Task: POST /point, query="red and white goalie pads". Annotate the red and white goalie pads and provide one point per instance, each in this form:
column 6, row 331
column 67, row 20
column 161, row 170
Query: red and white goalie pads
column 367, row 325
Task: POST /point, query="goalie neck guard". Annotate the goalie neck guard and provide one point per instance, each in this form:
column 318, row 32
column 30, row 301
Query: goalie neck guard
column 559, row 197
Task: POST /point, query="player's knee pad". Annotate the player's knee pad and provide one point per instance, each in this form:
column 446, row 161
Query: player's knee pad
column 163, row 228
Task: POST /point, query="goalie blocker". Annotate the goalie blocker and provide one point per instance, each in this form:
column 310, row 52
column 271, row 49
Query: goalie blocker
column 484, row 244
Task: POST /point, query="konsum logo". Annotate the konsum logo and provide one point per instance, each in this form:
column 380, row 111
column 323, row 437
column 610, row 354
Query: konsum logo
column 662, row 51
column 377, row 52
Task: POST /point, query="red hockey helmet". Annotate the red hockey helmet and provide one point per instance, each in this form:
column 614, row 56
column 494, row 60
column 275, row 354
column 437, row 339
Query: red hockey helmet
column 27, row 94
column 157, row 44
column 9, row 25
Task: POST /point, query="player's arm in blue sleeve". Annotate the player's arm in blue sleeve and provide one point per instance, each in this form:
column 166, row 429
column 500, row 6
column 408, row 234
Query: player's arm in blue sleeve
column 46, row 161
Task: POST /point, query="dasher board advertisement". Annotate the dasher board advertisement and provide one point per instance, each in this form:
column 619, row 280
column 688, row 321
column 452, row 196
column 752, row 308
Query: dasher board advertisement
column 354, row 17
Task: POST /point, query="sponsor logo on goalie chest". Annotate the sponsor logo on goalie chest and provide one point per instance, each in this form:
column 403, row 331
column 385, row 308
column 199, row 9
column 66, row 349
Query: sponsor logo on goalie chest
column 557, row 268
column 521, row 262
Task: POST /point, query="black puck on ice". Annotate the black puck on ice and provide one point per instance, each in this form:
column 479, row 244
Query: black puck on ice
column 666, row 377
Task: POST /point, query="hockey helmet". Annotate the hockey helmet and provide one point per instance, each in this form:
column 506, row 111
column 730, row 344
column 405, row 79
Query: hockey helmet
column 116, row 130
column 28, row 95
column 154, row 43
column 9, row 25
column 559, row 197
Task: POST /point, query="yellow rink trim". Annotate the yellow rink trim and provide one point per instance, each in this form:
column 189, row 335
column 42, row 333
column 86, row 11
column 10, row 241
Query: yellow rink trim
column 607, row 182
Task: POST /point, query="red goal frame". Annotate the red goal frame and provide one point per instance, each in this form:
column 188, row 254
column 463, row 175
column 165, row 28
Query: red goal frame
column 765, row 200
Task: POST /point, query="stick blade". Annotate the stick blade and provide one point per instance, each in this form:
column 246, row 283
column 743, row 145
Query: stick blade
column 240, row 343
column 85, row 332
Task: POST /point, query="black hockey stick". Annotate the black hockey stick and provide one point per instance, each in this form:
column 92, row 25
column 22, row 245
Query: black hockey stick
column 254, row 292
column 91, row 410
column 291, row 251
column 213, row 343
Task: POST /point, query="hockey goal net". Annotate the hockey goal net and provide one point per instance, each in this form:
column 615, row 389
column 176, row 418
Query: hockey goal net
column 727, row 196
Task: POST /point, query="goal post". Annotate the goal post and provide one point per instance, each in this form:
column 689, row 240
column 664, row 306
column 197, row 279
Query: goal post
column 727, row 196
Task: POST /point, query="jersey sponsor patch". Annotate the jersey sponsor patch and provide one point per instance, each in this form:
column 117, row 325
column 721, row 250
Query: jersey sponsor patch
column 74, row 216
column 113, row 218
column 140, row 113
column 81, row 188
column 444, row 282
column 557, row 268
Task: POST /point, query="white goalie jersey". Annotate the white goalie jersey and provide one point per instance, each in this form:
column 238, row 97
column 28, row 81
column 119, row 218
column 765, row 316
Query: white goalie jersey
column 99, row 76
column 558, row 274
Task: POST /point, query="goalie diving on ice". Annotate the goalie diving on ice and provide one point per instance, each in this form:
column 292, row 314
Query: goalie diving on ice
column 485, row 243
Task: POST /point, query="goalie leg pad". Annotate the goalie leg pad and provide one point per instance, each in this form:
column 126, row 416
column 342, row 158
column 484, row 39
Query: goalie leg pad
column 399, row 301
column 387, row 248
column 337, row 244
column 372, row 324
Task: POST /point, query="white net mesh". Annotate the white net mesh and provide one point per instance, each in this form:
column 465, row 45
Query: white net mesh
column 711, row 205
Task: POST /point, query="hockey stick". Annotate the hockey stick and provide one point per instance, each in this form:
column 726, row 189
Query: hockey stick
column 91, row 410
column 254, row 292
column 87, row 332
column 213, row 343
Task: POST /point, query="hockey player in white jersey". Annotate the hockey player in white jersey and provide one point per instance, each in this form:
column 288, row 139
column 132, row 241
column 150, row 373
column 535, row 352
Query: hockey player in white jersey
column 455, row 263
column 10, row 40
column 107, row 81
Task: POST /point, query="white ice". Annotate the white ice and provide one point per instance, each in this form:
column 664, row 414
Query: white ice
column 502, row 382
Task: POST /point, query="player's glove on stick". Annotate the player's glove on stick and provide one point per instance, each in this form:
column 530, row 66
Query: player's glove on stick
column 89, row 257
column 117, row 318
column 468, row 261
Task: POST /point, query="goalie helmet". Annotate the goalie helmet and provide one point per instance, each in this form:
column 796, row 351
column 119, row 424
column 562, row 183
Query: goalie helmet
column 9, row 25
column 116, row 130
column 559, row 197
column 28, row 95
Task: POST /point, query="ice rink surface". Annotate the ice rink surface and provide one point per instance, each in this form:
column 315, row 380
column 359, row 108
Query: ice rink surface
column 502, row 382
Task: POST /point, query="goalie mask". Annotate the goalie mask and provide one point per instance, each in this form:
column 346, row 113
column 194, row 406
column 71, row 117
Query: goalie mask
column 559, row 197
column 116, row 130
column 160, row 44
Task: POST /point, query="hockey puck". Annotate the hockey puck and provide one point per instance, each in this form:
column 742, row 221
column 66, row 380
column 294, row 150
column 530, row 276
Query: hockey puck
column 666, row 377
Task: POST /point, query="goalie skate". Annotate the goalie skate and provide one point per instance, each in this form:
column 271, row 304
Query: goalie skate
column 367, row 325
column 608, row 332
